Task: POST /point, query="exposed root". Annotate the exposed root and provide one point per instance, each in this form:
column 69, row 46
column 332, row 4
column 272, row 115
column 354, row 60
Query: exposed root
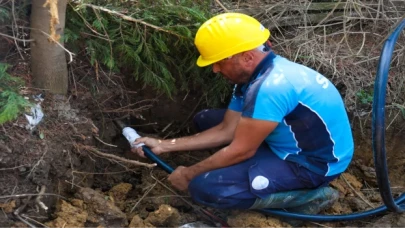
column 39, row 197
column 112, row 157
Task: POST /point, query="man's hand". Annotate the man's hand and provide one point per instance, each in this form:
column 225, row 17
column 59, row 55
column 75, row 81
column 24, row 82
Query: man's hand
column 179, row 178
column 154, row 144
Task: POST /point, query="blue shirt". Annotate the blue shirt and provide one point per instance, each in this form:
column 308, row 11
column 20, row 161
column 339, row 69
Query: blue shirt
column 313, row 130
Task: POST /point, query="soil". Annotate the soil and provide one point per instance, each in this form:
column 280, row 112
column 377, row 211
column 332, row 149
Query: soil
column 55, row 175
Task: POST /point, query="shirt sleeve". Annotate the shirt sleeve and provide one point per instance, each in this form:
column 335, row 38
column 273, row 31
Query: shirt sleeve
column 236, row 103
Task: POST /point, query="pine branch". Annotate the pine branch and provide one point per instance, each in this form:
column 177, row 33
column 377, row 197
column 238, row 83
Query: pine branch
column 128, row 18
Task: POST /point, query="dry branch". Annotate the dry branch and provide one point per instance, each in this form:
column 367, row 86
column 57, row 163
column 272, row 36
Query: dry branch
column 15, row 38
column 221, row 5
column 280, row 15
column 324, row 6
column 112, row 157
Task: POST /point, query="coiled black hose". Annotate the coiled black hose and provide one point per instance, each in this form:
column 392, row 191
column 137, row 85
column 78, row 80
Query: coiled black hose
column 378, row 122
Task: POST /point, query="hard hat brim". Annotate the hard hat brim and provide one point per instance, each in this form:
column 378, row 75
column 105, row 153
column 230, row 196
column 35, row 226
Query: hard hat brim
column 201, row 62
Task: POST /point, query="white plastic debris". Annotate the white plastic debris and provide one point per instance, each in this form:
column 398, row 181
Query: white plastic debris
column 35, row 117
column 194, row 225
column 36, row 114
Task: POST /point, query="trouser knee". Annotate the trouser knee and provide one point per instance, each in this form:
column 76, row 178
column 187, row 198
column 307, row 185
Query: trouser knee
column 208, row 118
column 217, row 195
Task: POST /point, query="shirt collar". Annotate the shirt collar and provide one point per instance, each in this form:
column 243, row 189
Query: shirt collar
column 265, row 64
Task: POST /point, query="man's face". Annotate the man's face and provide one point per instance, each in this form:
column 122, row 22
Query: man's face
column 232, row 69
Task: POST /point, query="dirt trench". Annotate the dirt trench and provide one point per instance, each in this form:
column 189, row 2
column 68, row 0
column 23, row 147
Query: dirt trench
column 62, row 164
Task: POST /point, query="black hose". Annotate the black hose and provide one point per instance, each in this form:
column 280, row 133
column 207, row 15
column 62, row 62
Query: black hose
column 378, row 123
column 159, row 162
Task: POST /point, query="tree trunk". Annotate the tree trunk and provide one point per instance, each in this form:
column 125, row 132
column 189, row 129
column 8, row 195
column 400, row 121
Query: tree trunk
column 48, row 59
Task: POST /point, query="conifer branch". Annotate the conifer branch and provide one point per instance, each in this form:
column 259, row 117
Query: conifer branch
column 128, row 18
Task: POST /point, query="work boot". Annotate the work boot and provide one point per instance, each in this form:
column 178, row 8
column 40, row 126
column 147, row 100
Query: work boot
column 327, row 196
column 309, row 201
column 296, row 199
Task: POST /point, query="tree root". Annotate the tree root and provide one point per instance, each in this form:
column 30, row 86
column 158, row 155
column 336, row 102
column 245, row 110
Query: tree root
column 112, row 157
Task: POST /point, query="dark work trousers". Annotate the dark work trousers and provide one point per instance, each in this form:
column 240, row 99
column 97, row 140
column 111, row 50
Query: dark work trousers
column 238, row 186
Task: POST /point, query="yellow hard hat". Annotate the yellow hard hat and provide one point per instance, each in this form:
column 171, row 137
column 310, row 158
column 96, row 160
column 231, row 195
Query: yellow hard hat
column 227, row 34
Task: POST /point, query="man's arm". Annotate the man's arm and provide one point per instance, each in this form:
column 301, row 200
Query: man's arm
column 216, row 136
column 249, row 134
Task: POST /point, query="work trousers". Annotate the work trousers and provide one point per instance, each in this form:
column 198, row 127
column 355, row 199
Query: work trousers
column 239, row 185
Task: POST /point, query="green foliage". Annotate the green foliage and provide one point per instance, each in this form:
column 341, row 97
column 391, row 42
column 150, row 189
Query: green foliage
column 4, row 14
column 400, row 107
column 11, row 102
column 158, row 48
column 365, row 97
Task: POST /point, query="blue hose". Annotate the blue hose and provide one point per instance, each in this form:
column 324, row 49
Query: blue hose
column 378, row 148
column 378, row 124
column 378, row 145
column 159, row 162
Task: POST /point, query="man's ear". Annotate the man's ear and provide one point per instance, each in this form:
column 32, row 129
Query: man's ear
column 248, row 58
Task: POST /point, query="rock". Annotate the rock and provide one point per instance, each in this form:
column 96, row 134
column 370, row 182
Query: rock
column 254, row 219
column 352, row 180
column 77, row 203
column 102, row 212
column 138, row 222
column 118, row 194
column 165, row 216
column 68, row 216
column 8, row 207
column 120, row 191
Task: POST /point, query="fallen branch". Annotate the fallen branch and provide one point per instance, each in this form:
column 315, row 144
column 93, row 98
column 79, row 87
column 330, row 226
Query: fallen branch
column 19, row 210
column 29, row 194
column 28, row 218
column 12, row 168
column 113, row 157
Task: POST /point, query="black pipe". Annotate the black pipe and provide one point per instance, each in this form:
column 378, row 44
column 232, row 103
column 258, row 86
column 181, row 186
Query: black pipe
column 153, row 157
column 378, row 123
